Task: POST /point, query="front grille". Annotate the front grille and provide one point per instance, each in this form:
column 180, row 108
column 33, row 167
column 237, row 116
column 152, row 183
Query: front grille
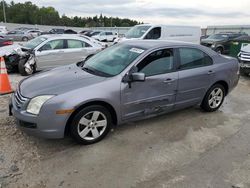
column 19, row 99
column 245, row 56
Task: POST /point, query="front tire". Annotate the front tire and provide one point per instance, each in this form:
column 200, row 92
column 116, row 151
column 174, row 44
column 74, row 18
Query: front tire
column 213, row 98
column 219, row 50
column 23, row 71
column 91, row 124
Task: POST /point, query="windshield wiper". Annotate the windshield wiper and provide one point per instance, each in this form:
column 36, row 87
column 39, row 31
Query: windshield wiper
column 89, row 70
column 96, row 72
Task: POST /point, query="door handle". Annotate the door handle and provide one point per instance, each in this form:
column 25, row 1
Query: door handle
column 169, row 80
column 210, row 72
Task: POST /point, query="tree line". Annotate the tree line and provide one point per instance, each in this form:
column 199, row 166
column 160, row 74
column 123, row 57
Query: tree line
column 29, row 13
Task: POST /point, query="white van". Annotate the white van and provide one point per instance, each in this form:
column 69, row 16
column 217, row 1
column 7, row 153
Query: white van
column 164, row 32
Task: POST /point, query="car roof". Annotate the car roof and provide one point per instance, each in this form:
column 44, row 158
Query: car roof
column 153, row 44
column 62, row 36
column 147, row 44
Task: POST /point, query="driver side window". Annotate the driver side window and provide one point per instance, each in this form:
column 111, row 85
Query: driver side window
column 53, row 45
column 158, row 62
column 155, row 33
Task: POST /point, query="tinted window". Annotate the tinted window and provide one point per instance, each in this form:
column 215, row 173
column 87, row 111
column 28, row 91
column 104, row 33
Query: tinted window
column 191, row 58
column 155, row 33
column 158, row 62
column 53, row 45
column 108, row 33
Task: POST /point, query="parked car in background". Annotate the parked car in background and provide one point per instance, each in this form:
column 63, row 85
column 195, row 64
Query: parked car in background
column 221, row 42
column 56, row 50
column 34, row 33
column 86, row 32
column 53, row 31
column 94, row 33
column 5, row 42
column 104, row 45
column 244, row 57
column 126, row 82
column 105, row 36
column 18, row 35
column 3, row 30
column 26, row 28
column 69, row 31
column 163, row 32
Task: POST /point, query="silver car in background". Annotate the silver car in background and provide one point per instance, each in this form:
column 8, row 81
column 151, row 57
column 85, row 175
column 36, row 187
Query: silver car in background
column 129, row 81
column 18, row 35
column 51, row 51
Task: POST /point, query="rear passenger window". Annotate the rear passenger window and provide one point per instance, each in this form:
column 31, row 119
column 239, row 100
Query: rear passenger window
column 192, row 58
column 158, row 62
column 77, row 44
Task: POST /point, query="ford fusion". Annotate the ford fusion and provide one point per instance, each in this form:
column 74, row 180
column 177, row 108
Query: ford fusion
column 129, row 81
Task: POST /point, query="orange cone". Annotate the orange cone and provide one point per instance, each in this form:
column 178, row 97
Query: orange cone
column 5, row 87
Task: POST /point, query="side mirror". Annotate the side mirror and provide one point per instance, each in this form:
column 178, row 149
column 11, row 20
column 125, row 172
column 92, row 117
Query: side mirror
column 138, row 77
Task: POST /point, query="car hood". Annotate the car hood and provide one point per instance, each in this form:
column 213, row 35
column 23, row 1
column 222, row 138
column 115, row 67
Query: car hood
column 246, row 48
column 211, row 41
column 57, row 81
column 7, row 50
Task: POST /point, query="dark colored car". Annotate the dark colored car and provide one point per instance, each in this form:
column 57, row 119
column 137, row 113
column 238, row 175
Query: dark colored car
column 5, row 42
column 86, row 32
column 70, row 31
column 220, row 42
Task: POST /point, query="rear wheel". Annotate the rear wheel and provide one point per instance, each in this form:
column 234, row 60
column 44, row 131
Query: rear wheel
column 91, row 124
column 213, row 98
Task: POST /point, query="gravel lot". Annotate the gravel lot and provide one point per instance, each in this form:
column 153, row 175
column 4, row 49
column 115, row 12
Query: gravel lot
column 189, row 148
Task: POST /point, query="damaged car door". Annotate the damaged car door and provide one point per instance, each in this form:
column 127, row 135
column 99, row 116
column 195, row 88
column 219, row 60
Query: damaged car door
column 157, row 93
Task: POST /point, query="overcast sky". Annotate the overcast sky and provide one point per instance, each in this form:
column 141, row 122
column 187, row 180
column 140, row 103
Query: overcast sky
column 175, row 12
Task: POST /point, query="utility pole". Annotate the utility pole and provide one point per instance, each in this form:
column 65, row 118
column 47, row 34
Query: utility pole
column 111, row 21
column 4, row 14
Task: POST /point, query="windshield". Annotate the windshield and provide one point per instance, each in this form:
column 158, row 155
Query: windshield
column 34, row 42
column 137, row 31
column 113, row 60
column 218, row 37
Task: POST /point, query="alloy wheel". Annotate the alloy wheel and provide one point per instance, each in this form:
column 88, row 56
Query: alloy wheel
column 215, row 98
column 92, row 125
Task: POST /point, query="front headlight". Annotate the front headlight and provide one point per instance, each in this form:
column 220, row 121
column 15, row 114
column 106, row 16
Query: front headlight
column 213, row 46
column 36, row 103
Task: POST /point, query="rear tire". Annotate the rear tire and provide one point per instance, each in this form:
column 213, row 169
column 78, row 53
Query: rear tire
column 213, row 98
column 22, row 69
column 91, row 124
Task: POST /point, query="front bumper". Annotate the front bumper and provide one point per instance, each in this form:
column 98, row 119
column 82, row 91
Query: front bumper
column 45, row 125
column 245, row 66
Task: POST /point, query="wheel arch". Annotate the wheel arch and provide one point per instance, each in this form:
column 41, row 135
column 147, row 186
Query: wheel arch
column 224, row 84
column 101, row 103
column 220, row 46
